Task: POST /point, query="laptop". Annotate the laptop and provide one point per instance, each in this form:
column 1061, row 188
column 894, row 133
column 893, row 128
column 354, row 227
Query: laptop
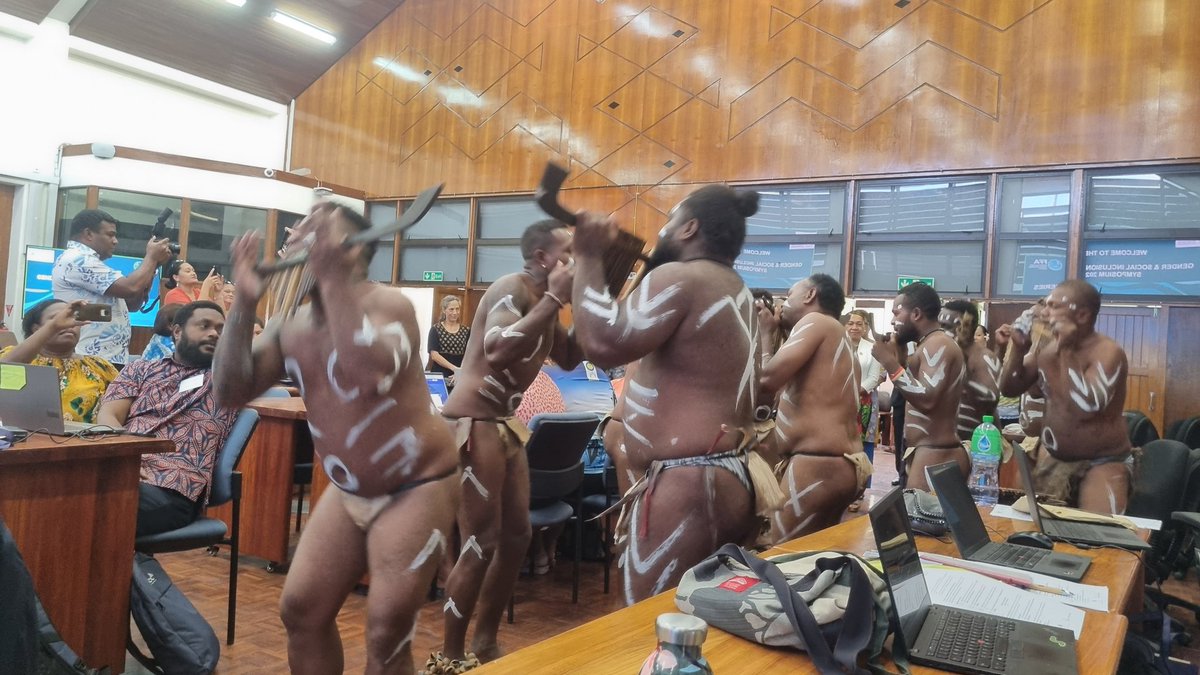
column 973, row 541
column 957, row 639
column 36, row 406
column 1069, row 530
column 438, row 392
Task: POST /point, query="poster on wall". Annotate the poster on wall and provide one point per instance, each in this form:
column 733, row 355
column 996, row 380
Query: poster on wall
column 39, row 263
column 775, row 266
column 1143, row 266
column 1040, row 271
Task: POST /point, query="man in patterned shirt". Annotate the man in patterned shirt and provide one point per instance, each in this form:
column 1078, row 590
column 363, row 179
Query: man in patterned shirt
column 173, row 398
column 80, row 274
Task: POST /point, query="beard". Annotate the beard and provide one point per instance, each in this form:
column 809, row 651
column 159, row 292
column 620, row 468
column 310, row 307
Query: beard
column 190, row 353
column 905, row 332
column 662, row 254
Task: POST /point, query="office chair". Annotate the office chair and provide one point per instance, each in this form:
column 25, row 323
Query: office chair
column 555, row 452
column 1141, row 429
column 210, row 532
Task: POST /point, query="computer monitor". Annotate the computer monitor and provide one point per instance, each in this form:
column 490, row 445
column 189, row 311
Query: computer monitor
column 39, row 264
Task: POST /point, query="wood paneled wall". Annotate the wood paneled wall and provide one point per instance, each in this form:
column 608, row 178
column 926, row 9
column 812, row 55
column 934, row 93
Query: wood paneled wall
column 642, row 100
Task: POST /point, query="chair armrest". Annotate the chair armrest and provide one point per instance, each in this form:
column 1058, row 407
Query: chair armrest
column 1188, row 518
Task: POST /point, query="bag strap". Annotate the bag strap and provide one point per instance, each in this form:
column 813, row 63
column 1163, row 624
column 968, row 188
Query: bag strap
column 856, row 628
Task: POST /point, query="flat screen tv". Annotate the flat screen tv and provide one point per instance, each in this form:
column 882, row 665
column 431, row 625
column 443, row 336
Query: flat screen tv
column 39, row 263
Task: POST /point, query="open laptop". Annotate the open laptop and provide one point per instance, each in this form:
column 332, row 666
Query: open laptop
column 1069, row 530
column 438, row 392
column 957, row 639
column 36, row 405
column 973, row 541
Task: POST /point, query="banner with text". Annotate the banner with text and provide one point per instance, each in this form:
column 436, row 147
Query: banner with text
column 775, row 266
column 1143, row 266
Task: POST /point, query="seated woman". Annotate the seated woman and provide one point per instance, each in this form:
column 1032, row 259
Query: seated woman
column 51, row 333
column 185, row 287
column 162, row 344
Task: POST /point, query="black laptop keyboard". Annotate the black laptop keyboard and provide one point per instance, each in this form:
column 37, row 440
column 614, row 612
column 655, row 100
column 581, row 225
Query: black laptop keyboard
column 1015, row 556
column 1074, row 530
column 971, row 639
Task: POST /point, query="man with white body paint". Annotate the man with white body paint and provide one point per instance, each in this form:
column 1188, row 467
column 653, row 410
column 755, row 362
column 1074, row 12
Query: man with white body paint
column 981, row 386
column 518, row 321
column 352, row 352
column 931, row 381
column 824, row 467
column 686, row 415
column 1082, row 374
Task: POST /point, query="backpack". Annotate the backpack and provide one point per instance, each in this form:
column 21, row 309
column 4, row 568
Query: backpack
column 832, row 605
column 29, row 643
column 180, row 640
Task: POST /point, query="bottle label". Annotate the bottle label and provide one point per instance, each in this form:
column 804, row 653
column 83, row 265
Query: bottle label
column 984, row 445
column 739, row 584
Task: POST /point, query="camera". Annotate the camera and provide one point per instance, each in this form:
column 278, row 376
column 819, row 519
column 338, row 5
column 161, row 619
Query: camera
column 160, row 229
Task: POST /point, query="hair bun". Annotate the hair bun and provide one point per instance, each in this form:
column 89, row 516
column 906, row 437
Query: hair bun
column 747, row 203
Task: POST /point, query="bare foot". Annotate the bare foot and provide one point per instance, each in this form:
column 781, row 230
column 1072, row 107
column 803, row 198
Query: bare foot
column 487, row 653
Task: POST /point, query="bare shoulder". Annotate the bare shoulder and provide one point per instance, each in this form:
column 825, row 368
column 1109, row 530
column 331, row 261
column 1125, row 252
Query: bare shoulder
column 387, row 302
column 940, row 347
column 508, row 289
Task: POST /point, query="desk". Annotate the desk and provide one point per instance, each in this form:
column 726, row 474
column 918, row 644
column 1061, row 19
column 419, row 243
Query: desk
column 619, row 642
column 72, row 508
column 267, row 467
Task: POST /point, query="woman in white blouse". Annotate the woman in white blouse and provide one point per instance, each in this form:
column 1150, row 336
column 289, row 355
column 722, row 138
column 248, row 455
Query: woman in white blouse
column 858, row 325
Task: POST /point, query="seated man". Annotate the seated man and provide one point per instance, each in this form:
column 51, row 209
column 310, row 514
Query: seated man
column 1082, row 375
column 824, row 468
column 172, row 398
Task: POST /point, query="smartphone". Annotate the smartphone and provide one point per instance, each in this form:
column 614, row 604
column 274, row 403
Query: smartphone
column 94, row 312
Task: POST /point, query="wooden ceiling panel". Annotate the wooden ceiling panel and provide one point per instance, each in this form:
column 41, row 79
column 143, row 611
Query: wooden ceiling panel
column 240, row 47
column 30, row 10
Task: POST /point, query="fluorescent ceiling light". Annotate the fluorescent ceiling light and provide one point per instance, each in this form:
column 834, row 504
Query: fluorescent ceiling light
column 237, row 3
column 303, row 27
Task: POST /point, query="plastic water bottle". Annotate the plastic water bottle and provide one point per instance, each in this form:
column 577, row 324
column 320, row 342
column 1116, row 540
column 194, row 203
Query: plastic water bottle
column 679, row 639
column 986, row 450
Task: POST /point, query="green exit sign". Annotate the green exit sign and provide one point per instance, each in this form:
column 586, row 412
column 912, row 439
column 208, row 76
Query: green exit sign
column 431, row 276
column 901, row 282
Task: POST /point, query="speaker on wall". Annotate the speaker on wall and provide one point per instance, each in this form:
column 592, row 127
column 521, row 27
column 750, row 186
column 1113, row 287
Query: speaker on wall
column 104, row 150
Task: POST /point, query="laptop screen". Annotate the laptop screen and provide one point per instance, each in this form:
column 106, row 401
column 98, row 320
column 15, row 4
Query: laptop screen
column 1027, row 481
column 901, row 564
column 961, row 514
column 438, row 392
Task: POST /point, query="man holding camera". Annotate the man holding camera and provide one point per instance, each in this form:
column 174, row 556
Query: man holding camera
column 80, row 274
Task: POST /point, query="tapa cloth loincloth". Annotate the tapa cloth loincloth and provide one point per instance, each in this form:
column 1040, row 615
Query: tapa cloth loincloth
column 859, row 460
column 746, row 465
column 364, row 510
column 513, row 433
column 1059, row 480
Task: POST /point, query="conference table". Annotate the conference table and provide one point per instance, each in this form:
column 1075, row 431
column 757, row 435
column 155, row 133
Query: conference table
column 71, row 505
column 619, row 642
column 280, row 441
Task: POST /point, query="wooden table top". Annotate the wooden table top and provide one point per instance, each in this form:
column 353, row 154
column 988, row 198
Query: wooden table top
column 291, row 408
column 619, row 642
column 42, row 448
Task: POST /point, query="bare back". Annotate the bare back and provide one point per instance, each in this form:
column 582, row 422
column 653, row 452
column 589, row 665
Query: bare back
column 371, row 442
column 932, row 387
column 492, row 388
column 818, row 407
column 694, row 393
column 981, row 388
column 1085, row 399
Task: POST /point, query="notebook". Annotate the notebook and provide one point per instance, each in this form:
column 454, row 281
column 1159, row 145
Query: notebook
column 36, row 405
column 1068, row 530
column 972, row 539
column 956, row 639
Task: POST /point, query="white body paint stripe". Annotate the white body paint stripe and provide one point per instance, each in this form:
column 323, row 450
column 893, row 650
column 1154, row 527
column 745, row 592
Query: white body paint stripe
column 436, row 541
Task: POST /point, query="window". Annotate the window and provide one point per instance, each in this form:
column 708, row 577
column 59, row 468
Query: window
column 437, row 244
column 137, row 213
column 385, row 249
column 797, row 231
column 1031, row 234
column 498, row 246
column 1142, row 232
column 923, row 228
column 212, row 228
column 70, row 202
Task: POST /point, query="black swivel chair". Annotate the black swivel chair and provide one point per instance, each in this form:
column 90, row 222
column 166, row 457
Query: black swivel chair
column 1185, row 431
column 555, row 452
column 595, row 504
column 1141, row 429
column 210, row 532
